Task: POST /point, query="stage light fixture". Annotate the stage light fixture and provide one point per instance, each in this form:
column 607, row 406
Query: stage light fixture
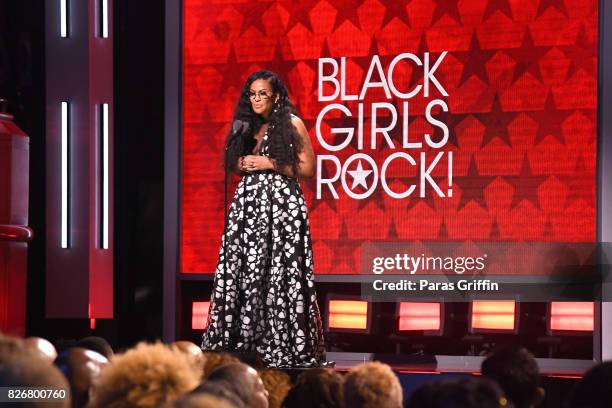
column 420, row 316
column 104, row 18
column 65, row 151
column 199, row 315
column 348, row 315
column 105, row 176
column 572, row 317
column 64, row 18
column 493, row 316
column 92, row 321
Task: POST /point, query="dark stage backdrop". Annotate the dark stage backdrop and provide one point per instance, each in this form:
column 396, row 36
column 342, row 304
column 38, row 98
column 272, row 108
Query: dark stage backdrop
column 496, row 143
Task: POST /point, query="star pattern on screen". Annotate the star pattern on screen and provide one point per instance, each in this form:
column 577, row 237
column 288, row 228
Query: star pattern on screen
column 522, row 82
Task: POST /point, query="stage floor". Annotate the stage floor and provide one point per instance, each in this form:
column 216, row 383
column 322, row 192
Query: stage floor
column 453, row 364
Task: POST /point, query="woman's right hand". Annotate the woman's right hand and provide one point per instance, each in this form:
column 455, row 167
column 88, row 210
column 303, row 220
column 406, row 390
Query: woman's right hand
column 255, row 162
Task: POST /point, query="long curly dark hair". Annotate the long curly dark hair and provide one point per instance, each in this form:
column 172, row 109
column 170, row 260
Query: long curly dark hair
column 283, row 139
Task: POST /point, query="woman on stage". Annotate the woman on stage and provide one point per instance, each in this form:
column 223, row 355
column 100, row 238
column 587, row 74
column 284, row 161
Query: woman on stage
column 264, row 298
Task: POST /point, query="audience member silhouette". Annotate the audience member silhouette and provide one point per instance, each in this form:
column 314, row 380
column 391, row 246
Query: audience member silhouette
column 372, row 385
column 97, row 344
column 277, row 383
column 145, row 376
column 517, row 373
column 243, row 381
column 468, row 392
column 317, row 387
column 81, row 367
column 30, row 370
column 595, row 388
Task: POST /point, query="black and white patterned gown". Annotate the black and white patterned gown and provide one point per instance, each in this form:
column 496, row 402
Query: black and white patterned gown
column 270, row 304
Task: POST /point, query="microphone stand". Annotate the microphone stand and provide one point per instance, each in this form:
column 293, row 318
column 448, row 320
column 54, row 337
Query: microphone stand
column 225, row 215
column 238, row 127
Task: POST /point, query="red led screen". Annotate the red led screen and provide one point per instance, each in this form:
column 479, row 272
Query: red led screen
column 431, row 119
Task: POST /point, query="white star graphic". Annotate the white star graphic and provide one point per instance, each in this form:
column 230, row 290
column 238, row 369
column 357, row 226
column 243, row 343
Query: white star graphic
column 359, row 176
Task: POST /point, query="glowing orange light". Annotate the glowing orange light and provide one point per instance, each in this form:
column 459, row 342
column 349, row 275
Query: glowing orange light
column 348, row 314
column 199, row 315
column 572, row 316
column 92, row 321
column 493, row 314
column 419, row 316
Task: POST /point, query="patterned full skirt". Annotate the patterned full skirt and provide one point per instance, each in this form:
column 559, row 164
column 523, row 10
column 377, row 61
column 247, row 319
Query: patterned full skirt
column 263, row 296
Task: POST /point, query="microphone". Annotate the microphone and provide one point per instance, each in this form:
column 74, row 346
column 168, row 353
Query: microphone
column 238, row 128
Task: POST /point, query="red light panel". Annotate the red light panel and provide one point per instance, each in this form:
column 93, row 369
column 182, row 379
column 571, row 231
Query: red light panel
column 572, row 316
column 348, row 314
column 199, row 315
column 419, row 316
column 493, row 315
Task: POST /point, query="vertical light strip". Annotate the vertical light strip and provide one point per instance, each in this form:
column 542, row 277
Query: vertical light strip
column 64, row 18
column 104, row 18
column 105, row 176
column 64, row 148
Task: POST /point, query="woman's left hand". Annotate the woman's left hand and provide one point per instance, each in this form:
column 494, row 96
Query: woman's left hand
column 254, row 162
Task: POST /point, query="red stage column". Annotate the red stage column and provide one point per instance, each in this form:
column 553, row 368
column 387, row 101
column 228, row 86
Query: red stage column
column 604, row 313
column 14, row 165
column 79, row 101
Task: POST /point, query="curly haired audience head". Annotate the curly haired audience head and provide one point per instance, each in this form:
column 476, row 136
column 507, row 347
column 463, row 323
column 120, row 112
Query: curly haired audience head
column 517, row 373
column 317, row 387
column 372, row 385
column 193, row 353
column 277, row 383
column 468, row 392
column 145, row 376
column 215, row 360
